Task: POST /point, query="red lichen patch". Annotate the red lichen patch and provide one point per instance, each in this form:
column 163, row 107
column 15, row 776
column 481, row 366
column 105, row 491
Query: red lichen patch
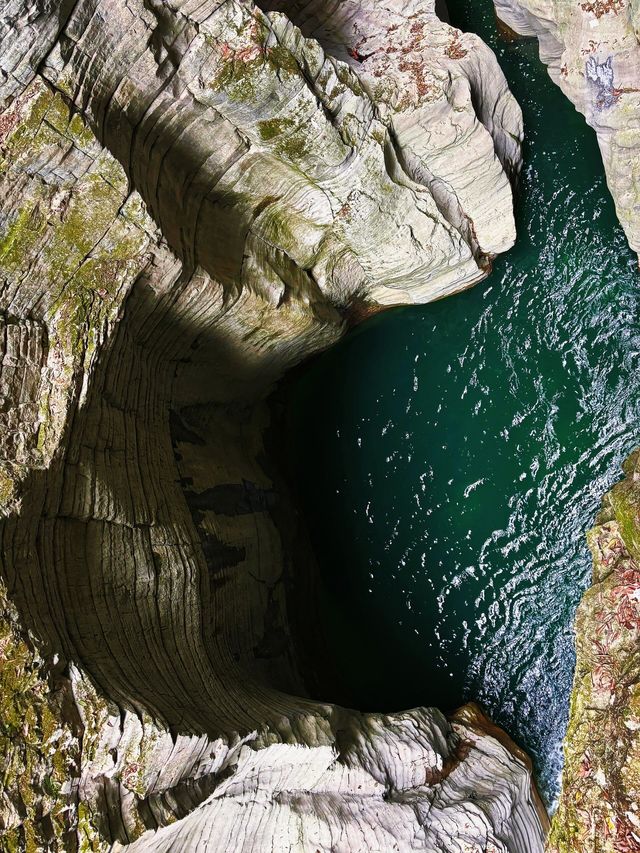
column 591, row 48
column 249, row 53
column 604, row 100
column 407, row 52
column 251, row 46
column 624, row 91
column 602, row 7
column 12, row 117
column 130, row 774
column 418, row 70
column 627, row 839
column 455, row 49
column 354, row 53
column 8, row 121
column 358, row 51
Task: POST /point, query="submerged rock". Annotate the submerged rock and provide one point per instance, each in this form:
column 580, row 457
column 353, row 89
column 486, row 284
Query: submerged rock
column 188, row 204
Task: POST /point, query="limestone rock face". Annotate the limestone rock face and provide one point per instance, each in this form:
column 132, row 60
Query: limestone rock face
column 592, row 52
column 190, row 196
column 443, row 98
column 601, row 778
column 271, row 162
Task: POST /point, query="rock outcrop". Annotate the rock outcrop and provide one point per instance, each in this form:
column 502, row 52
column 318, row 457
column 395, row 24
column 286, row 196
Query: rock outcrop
column 600, row 796
column 191, row 196
column 592, row 52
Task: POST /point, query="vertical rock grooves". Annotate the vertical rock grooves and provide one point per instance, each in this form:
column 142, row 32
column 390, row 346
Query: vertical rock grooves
column 191, row 195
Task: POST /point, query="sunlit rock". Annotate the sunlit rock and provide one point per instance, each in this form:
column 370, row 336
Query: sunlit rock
column 592, row 52
column 601, row 778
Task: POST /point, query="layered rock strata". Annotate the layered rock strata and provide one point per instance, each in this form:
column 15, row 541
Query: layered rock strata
column 443, row 98
column 191, row 194
column 592, row 52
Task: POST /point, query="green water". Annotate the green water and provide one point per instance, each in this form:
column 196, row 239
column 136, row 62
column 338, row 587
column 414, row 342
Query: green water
column 449, row 458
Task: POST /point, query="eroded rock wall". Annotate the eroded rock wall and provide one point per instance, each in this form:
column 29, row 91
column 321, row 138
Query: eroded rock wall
column 190, row 197
column 592, row 52
column 600, row 796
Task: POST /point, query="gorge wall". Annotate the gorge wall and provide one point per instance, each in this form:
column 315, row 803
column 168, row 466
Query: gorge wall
column 592, row 52
column 193, row 197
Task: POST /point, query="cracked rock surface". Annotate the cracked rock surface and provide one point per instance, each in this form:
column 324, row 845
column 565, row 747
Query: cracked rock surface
column 192, row 197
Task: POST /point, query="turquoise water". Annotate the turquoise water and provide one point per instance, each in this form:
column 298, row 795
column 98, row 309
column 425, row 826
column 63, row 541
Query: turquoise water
column 448, row 459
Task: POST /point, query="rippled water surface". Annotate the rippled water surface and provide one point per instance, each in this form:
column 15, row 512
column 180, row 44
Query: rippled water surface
column 449, row 458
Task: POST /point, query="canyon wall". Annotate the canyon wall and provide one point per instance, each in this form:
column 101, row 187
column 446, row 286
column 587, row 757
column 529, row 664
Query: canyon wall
column 592, row 52
column 193, row 196
column 600, row 796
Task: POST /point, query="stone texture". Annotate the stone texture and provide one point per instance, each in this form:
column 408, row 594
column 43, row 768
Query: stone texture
column 443, row 98
column 230, row 123
column 600, row 799
column 191, row 197
column 592, row 52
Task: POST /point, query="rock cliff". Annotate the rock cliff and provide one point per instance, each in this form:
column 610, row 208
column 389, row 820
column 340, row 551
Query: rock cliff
column 592, row 52
column 192, row 196
column 601, row 779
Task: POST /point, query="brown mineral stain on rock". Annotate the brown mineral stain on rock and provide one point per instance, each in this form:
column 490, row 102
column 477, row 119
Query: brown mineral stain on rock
column 472, row 715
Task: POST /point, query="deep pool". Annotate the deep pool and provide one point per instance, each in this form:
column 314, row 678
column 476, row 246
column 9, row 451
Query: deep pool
column 449, row 458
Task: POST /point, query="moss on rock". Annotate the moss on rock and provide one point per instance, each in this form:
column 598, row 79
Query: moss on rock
column 598, row 808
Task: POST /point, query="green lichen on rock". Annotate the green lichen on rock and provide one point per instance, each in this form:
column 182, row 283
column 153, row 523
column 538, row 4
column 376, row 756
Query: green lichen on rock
column 289, row 142
column 624, row 500
column 6, row 488
column 598, row 807
column 38, row 749
column 21, row 237
column 89, row 839
column 81, row 239
column 72, row 234
column 37, row 120
column 247, row 64
column 272, row 128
